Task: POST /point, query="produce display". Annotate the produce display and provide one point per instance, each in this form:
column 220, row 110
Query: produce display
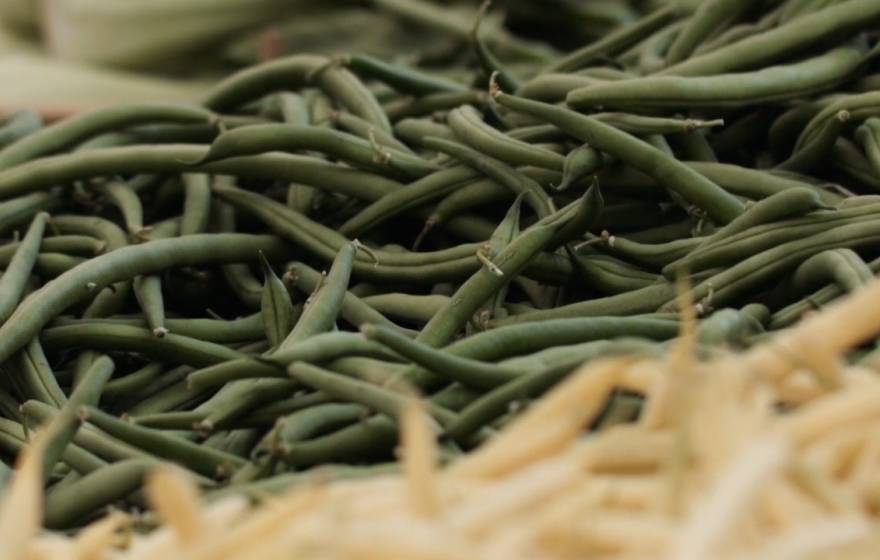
column 265, row 286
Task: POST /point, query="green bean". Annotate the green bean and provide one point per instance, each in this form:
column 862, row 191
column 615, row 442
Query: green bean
column 791, row 313
column 295, row 72
column 354, row 310
column 196, row 205
column 849, row 161
column 497, row 171
column 172, row 158
column 35, row 376
column 22, row 209
column 615, row 42
column 132, row 383
column 417, row 193
column 586, row 216
column 276, row 307
column 14, row 440
column 771, row 84
column 470, row 129
column 784, row 204
column 372, row 437
column 653, row 255
column 209, row 330
column 148, row 291
column 643, row 300
column 326, row 241
column 422, row 267
column 457, row 25
column 71, row 131
column 315, row 349
column 266, row 416
column 306, row 424
column 238, row 442
column 383, row 401
column 640, row 124
column 73, row 504
column 470, row 373
column 839, row 20
column 428, row 104
column 677, row 177
column 414, row 130
column 258, row 139
column 492, row 67
column 552, row 87
column 842, row 266
column 319, row 316
column 705, row 22
column 477, row 193
column 407, row 306
column 485, row 282
column 239, row 277
column 74, row 245
column 497, row 401
column 12, row 283
column 78, row 283
column 763, row 237
column 752, row 183
column 579, row 164
column 401, row 78
column 325, row 304
column 172, row 397
column 765, row 265
column 208, row 462
column 172, row 347
column 868, row 135
column 815, row 151
column 359, row 127
column 64, row 426
column 609, row 275
column 123, row 197
column 88, row 437
column 508, row 229
column 729, row 327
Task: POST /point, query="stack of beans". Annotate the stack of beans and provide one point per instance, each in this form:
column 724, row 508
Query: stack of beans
column 255, row 286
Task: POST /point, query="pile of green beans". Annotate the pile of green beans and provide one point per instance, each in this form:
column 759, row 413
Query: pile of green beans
column 252, row 286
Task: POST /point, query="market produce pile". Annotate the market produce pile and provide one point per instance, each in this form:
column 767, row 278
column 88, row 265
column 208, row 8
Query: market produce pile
column 255, row 287
column 714, row 469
